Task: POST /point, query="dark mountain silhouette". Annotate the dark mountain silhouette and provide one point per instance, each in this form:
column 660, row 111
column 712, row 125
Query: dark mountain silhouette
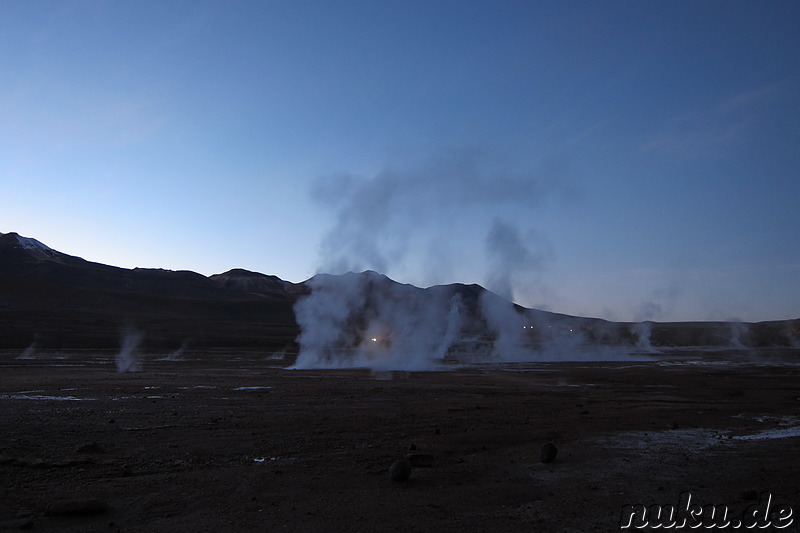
column 59, row 301
column 256, row 283
column 63, row 301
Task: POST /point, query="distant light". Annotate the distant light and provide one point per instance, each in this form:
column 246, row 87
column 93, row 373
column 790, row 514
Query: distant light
column 374, row 339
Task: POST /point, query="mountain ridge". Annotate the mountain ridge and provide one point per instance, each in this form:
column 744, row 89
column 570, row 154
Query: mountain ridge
column 66, row 301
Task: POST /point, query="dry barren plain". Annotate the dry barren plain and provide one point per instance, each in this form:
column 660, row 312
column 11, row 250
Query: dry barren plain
column 232, row 441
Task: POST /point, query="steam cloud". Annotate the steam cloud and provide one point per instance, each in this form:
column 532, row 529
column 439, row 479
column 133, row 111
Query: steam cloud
column 128, row 359
column 642, row 331
column 177, row 354
column 28, row 352
column 738, row 334
column 661, row 301
column 365, row 320
column 432, row 213
column 451, row 202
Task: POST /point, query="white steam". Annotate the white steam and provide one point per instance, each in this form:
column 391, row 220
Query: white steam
column 128, row 359
column 365, row 320
column 642, row 331
column 177, row 354
column 29, row 352
column 448, row 216
column 739, row 332
column 427, row 222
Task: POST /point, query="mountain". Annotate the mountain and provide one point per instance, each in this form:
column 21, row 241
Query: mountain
column 65, row 301
column 33, row 248
column 255, row 283
column 59, row 301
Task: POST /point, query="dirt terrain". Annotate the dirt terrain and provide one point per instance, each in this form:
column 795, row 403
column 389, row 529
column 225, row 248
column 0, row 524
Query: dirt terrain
column 223, row 441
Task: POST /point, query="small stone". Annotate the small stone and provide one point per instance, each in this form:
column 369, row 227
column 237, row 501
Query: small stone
column 548, row 452
column 400, row 470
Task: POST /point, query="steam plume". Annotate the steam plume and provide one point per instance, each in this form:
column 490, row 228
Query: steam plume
column 738, row 333
column 364, row 319
column 28, row 352
column 176, row 355
column 425, row 213
column 128, row 358
column 429, row 212
column 643, row 330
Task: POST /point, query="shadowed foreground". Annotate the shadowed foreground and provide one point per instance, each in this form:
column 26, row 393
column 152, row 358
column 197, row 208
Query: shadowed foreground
column 226, row 442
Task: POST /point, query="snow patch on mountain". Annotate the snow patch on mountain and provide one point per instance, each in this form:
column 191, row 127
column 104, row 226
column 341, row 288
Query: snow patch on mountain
column 32, row 246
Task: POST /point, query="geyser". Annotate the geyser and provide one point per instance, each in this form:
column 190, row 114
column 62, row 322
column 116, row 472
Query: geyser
column 128, row 359
column 429, row 219
column 642, row 331
column 176, row 354
column 366, row 320
column 738, row 334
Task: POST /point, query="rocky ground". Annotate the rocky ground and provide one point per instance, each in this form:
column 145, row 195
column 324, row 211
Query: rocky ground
column 232, row 442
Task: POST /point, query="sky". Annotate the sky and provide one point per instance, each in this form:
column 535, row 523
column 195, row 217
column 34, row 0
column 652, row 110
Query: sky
column 625, row 160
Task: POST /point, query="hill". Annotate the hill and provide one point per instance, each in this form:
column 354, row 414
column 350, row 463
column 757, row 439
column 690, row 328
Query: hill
column 58, row 301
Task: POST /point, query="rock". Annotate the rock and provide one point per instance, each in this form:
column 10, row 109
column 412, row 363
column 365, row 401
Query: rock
column 400, row 470
column 420, row 460
column 86, row 506
column 548, row 452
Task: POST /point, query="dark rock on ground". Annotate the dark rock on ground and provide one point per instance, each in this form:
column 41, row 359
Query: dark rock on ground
column 548, row 452
column 400, row 470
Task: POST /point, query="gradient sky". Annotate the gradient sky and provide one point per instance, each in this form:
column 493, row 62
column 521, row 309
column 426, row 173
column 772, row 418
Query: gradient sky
column 626, row 160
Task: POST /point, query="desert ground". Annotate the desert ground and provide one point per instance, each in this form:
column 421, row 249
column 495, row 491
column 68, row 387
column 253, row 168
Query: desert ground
column 233, row 441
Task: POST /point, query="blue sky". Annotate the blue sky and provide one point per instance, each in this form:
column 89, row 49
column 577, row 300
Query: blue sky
column 627, row 160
